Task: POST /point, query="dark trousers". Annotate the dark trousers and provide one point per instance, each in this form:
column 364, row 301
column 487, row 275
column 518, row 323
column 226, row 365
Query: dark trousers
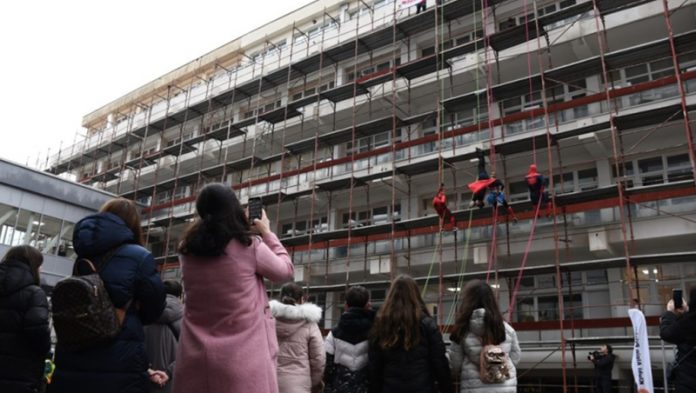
column 603, row 385
column 420, row 7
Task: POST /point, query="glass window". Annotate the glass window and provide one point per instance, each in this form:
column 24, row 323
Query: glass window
column 527, row 282
column 596, row 277
column 8, row 217
column 572, row 306
column 546, row 281
column 564, row 184
column 651, row 170
column 587, row 179
column 679, row 167
column 524, row 310
column 548, row 308
column 48, row 239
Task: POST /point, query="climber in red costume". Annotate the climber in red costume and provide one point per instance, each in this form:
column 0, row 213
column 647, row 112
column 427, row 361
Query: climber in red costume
column 536, row 182
column 440, row 205
column 495, row 187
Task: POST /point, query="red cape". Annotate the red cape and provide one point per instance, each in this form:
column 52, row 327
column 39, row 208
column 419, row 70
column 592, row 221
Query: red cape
column 480, row 185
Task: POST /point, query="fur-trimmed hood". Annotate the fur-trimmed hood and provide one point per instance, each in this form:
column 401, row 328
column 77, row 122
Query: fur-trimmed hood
column 289, row 318
column 307, row 311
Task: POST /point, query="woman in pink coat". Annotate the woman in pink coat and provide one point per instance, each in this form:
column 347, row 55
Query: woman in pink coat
column 228, row 340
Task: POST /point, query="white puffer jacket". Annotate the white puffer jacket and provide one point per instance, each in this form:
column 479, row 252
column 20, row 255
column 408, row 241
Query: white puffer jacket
column 351, row 356
column 464, row 358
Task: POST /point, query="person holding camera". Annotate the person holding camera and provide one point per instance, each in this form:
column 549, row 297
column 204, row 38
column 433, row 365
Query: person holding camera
column 678, row 326
column 603, row 361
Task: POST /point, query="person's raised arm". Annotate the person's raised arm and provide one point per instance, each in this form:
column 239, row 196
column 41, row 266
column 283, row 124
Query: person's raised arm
column 272, row 259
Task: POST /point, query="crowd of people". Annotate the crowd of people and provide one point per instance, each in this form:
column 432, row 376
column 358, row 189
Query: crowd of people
column 227, row 337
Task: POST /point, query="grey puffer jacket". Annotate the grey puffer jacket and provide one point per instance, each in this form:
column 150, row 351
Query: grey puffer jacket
column 301, row 355
column 161, row 340
column 464, row 358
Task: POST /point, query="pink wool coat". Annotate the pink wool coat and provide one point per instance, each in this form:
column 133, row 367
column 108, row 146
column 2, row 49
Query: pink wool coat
column 228, row 339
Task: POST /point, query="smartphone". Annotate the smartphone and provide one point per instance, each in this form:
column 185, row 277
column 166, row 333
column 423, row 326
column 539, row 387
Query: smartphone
column 255, row 209
column 678, row 297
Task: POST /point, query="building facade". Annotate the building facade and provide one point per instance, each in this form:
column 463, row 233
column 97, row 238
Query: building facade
column 345, row 117
column 41, row 210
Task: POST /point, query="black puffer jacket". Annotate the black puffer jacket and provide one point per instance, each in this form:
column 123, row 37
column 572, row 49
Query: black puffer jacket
column 682, row 332
column 423, row 369
column 24, row 335
column 347, row 352
column 119, row 366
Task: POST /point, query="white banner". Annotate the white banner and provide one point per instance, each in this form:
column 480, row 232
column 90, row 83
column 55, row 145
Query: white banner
column 642, row 372
column 409, row 2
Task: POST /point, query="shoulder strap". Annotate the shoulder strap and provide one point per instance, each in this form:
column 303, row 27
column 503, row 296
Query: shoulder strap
column 103, row 261
column 99, row 263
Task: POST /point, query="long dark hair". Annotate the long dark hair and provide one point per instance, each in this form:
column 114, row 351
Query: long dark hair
column 477, row 294
column 291, row 293
column 27, row 255
column 398, row 320
column 220, row 219
column 126, row 210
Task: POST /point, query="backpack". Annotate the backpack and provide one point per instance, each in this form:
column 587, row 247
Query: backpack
column 83, row 313
column 493, row 365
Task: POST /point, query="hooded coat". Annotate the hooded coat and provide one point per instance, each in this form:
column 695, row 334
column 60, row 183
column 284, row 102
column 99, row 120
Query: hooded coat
column 465, row 357
column 228, row 341
column 681, row 330
column 301, row 355
column 161, row 339
column 24, row 335
column 347, row 352
column 119, row 366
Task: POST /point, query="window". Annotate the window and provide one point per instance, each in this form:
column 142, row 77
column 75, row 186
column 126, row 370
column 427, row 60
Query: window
column 596, row 277
column 303, row 227
column 372, row 142
column 311, row 88
column 679, row 168
column 364, row 70
column 518, row 191
column 379, row 215
column 587, row 179
column 548, row 308
column 524, row 310
column 563, row 184
column 428, row 51
column 650, row 170
column 541, row 11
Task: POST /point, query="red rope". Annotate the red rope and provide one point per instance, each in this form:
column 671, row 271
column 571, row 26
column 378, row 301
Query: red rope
column 491, row 258
column 513, row 298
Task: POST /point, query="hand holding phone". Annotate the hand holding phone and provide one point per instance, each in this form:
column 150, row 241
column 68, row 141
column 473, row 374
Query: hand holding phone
column 255, row 209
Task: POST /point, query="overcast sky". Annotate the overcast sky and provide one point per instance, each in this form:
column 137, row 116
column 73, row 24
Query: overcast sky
column 64, row 59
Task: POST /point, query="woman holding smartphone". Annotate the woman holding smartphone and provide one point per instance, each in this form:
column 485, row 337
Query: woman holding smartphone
column 678, row 326
column 228, row 339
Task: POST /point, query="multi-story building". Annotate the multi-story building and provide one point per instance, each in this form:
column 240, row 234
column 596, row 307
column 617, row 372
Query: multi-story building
column 41, row 210
column 345, row 116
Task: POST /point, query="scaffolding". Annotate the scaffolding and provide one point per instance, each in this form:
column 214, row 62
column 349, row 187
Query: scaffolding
column 358, row 111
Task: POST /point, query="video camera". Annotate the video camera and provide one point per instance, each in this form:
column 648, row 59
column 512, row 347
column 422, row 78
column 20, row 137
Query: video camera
column 595, row 355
